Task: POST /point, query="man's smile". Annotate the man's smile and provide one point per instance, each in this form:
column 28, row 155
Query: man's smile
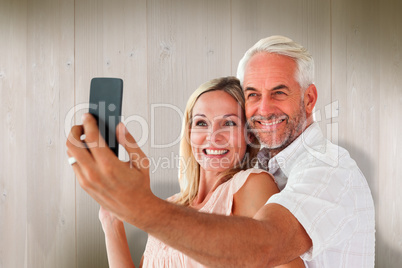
column 269, row 123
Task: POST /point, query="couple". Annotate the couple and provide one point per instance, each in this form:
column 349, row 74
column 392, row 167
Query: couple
column 323, row 212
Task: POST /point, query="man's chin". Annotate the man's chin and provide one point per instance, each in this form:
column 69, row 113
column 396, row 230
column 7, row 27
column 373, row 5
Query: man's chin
column 271, row 142
column 271, row 146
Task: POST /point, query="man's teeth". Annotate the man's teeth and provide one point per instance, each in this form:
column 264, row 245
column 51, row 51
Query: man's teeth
column 271, row 123
column 216, row 152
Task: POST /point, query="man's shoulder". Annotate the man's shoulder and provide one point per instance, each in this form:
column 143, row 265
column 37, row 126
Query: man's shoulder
column 331, row 164
column 316, row 149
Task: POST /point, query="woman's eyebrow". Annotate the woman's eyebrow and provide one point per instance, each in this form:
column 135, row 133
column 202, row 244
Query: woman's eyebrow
column 202, row 115
column 224, row 116
column 229, row 115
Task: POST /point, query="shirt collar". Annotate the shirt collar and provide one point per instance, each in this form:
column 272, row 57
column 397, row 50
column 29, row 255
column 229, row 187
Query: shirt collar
column 286, row 159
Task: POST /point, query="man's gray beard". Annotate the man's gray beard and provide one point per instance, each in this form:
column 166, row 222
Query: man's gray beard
column 293, row 130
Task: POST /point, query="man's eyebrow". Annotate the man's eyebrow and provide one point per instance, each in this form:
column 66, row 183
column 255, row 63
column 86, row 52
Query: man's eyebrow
column 250, row 89
column 280, row 87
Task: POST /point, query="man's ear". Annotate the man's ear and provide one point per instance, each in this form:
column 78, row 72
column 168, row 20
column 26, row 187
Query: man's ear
column 310, row 99
column 250, row 137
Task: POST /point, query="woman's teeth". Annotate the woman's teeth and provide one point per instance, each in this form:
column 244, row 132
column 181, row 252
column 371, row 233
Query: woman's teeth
column 215, row 152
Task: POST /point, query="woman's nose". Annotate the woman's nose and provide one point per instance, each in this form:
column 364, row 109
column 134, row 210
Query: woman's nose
column 215, row 135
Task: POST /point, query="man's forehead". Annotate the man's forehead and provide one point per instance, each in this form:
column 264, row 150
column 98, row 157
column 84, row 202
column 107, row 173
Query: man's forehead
column 269, row 68
column 269, row 59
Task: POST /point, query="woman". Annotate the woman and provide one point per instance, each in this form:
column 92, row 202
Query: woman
column 216, row 174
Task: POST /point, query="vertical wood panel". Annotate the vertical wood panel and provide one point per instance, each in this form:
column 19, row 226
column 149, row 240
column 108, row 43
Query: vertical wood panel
column 65, row 251
column 110, row 42
column 255, row 19
column 356, row 80
column 13, row 174
column 188, row 43
column 355, row 83
column 50, row 190
column 389, row 202
column 306, row 22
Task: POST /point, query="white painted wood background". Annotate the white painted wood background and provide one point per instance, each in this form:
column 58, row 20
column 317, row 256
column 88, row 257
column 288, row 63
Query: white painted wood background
column 50, row 49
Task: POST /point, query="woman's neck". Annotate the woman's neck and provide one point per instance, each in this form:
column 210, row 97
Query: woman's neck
column 209, row 181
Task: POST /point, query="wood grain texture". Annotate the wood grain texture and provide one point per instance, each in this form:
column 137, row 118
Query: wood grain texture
column 13, row 142
column 50, row 211
column 389, row 201
column 355, row 83
column 366, row 64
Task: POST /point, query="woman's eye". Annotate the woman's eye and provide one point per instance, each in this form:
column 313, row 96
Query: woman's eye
column 230, row 123
column 200, row 124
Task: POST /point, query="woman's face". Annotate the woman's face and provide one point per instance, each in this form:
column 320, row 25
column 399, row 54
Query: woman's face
column 217, row 131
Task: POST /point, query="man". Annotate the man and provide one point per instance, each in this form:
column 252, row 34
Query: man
column 324, row 212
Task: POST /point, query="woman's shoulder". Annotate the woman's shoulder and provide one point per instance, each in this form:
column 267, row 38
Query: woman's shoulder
column 253, row 171
column 251, row 176
column 258, row 185
column 255, row 178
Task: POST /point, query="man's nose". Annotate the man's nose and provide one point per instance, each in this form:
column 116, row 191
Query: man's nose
column 266, row 105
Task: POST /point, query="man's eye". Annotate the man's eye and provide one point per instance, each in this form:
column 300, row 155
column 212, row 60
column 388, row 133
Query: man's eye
column 279, row 95
column 251, row 95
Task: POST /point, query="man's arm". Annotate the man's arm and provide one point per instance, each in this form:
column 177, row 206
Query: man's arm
column 273, row 236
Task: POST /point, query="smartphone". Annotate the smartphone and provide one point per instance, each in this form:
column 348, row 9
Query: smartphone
column 105, row 101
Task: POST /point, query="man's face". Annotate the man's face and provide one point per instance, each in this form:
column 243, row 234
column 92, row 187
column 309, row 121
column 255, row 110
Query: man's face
column 274, row 103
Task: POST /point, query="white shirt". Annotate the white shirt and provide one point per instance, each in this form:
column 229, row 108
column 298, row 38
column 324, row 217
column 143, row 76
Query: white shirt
column 324, row 189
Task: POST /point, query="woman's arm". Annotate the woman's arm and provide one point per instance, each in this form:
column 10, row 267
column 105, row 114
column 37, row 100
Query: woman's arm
column 255, row 192
column 118, row 252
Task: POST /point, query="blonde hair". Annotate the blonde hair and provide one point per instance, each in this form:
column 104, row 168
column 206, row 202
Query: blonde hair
column 189, row 170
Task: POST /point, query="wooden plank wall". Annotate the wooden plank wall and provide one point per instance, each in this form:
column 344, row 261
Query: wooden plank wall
column 50, row 49
column 13, row 172
column 389, row 199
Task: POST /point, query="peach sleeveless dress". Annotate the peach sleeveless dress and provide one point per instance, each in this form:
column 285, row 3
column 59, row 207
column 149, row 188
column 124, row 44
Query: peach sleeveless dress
column 159, row 255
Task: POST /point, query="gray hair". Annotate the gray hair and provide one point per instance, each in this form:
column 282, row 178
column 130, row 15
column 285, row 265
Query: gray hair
column 284, row 46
